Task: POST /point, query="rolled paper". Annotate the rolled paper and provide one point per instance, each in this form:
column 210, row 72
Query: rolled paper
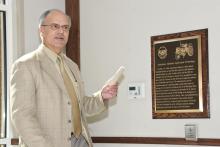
column 117, row 76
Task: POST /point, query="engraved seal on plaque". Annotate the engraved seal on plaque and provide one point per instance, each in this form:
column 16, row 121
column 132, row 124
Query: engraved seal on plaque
column 162, row 52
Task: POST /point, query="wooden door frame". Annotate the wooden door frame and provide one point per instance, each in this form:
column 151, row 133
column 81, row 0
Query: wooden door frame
column 73, row 45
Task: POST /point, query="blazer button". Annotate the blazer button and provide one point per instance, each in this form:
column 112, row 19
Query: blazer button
column 69, row 121
column 69, row 138
column 68, row 103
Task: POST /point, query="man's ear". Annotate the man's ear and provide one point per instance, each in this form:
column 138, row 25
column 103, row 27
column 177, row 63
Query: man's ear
column 41, row 29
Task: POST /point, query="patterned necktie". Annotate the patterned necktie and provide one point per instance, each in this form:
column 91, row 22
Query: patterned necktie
column 71, row 91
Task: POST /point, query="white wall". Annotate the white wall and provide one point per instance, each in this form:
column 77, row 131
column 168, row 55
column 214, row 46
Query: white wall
column 117, row 32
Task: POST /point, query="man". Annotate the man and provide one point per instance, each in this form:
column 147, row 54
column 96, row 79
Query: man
column 48, row 105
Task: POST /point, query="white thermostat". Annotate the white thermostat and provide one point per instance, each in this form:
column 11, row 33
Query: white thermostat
column 136, row 90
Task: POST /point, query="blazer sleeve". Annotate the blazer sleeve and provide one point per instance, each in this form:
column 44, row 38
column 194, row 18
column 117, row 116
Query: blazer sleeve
column 94, row 105
column 23, row 107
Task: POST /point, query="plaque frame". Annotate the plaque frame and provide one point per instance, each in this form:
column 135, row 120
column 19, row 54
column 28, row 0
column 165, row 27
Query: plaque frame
column 174, row 93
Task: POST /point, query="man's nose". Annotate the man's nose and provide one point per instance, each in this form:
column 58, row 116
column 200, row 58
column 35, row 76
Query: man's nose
column 60, row 29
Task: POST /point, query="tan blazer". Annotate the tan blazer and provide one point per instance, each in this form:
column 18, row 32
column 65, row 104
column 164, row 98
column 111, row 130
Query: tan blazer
column 40, row 106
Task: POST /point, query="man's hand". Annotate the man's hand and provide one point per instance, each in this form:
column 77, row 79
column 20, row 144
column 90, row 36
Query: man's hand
column 109, row 91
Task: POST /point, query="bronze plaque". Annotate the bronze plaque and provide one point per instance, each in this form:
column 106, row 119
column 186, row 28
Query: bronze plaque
column 180, row 85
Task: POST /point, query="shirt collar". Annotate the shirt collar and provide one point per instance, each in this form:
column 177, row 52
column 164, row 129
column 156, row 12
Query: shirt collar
column 52, row 55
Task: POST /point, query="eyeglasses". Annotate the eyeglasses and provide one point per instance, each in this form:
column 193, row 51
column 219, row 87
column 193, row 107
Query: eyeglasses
column 56, row 27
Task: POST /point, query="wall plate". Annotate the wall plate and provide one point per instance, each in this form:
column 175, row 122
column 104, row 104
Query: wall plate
column 191, row 131
column 136, row 90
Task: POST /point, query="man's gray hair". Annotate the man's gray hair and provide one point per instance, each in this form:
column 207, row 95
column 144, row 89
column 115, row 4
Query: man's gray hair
column 47, row 12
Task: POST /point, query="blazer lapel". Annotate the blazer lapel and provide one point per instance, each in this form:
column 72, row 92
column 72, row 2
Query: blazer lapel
column 74, row 69
column 48, row 66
